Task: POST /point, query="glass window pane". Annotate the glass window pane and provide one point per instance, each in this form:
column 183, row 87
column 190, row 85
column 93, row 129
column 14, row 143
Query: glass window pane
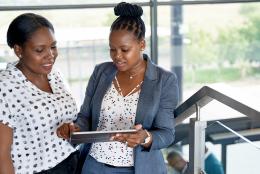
column 58, row 2
column 82, row 41
column 220, row 49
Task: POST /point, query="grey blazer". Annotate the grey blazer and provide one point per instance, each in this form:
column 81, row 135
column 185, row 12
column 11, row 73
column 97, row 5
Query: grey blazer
column 157, row 101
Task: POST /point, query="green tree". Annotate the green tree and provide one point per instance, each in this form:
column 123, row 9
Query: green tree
column 200, row 50
column 240, row 45
column 251, row 31
column 231, row 45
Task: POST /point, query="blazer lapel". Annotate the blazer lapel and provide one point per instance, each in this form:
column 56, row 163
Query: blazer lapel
column 146, row 97
column 105, row 81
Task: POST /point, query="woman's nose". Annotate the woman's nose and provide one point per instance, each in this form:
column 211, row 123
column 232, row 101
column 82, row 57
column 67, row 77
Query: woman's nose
column 51, row 53
column 118, row 55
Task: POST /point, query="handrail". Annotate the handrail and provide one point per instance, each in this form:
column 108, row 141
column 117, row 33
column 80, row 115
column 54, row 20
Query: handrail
column 204, row 96
column 239, row 124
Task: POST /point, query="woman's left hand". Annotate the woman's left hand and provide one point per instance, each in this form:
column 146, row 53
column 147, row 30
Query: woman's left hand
column 132, row 139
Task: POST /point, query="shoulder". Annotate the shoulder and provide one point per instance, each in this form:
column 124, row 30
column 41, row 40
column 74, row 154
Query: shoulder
column 4, row 75
column 163, row 74
column 58, row 81
column 56, row 75
column 7, row 78
column 105, row 67
column 154, row 71
column 211, row 159
column 165, row 80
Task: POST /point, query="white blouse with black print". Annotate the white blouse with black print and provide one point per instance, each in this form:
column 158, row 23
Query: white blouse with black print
column 34, row 116
column 117, row 113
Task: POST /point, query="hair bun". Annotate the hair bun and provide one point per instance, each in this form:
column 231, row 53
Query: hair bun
column 128, row 10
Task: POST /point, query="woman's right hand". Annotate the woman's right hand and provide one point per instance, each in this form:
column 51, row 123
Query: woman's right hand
column 65, row 130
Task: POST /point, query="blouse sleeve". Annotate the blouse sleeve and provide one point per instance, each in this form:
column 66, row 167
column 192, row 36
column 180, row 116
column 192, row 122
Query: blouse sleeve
column 5, row 114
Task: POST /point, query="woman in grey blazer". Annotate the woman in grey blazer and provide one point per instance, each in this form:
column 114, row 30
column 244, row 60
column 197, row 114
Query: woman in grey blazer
column 129, row 93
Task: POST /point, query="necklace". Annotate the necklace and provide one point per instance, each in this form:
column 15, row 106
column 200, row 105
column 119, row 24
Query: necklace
column 131, row 92
column 131, row 76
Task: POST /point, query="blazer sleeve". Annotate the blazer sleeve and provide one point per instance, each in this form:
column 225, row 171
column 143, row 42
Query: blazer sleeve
column 163, row 130
column 84, row 115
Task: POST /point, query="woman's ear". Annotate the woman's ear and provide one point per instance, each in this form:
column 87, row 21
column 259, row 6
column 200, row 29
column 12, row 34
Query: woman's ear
column 142, row 44
column 18, row 51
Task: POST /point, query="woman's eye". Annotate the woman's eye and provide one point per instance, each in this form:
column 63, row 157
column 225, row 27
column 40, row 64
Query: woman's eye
column 124, row 50
column 54, row 47
column 39, row 50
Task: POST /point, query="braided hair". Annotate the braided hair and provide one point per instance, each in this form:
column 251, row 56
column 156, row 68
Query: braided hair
column 129, row 19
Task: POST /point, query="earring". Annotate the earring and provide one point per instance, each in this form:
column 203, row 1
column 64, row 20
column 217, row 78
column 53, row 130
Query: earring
column 20, row 56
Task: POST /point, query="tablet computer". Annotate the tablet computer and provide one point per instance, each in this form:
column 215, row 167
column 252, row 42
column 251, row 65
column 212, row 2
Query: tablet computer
column 96, row 136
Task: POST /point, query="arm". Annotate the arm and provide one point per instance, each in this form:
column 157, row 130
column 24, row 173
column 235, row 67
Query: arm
column 6, row 137
column 163, row 126
column 83, row 118
column 162, row 132
column 82, row 121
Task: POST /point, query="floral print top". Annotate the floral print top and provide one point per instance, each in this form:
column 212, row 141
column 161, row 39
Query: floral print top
column 117, row 113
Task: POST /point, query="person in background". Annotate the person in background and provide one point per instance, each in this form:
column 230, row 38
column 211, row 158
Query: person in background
column 212, row 164
column 33, row 102
column 131, row 92
column 178, row 163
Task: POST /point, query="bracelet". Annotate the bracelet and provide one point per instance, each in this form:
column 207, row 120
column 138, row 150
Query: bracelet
column 147, row 139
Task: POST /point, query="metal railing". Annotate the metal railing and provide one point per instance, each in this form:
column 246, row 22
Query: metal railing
column 197, row 128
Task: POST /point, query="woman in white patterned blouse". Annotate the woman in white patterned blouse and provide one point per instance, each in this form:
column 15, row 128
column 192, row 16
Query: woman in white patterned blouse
column 33, row 102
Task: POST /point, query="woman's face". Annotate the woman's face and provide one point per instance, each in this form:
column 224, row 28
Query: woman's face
column 125, row 49
column 37, row 55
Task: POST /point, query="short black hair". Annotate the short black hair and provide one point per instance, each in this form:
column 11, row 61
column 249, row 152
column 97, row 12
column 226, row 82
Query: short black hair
column 23, row 26
column 129, row 19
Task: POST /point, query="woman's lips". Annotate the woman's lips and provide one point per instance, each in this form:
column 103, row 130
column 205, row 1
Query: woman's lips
column 120, row 64
column 47, row 66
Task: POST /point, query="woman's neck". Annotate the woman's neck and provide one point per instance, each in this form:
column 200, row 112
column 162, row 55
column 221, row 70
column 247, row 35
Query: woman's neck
column 39, row 80
column 136, row 70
